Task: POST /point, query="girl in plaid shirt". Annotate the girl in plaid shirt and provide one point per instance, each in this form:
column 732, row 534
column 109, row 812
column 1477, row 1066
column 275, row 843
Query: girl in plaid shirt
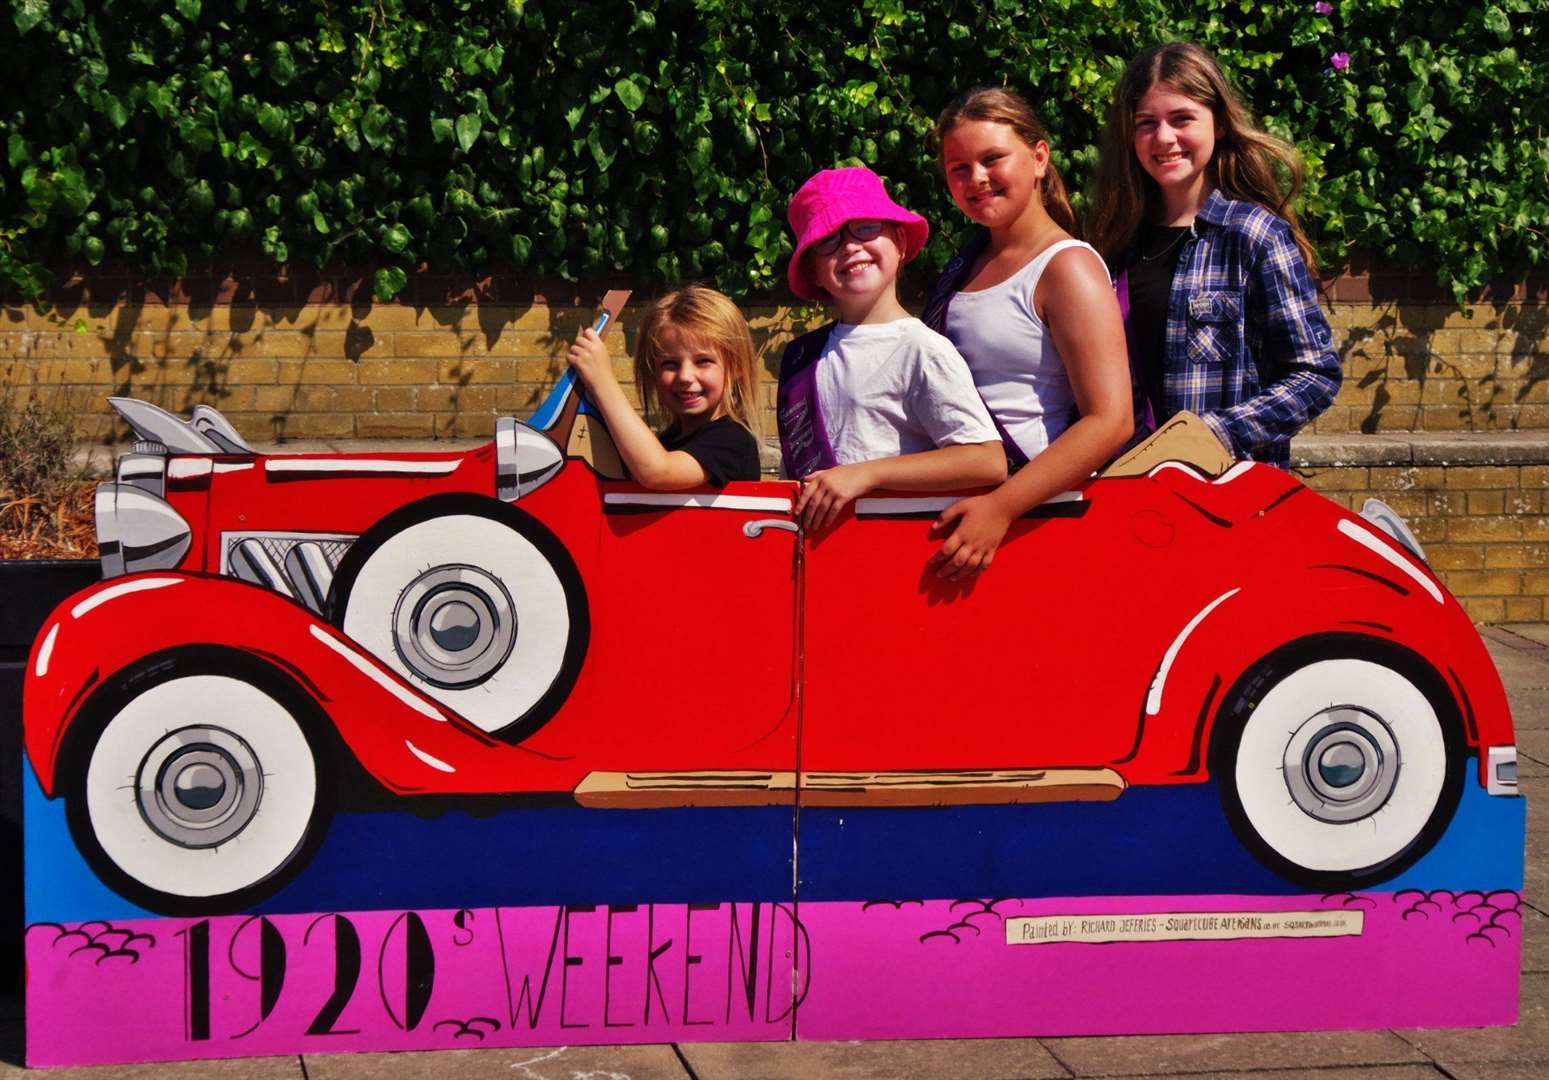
column 1221, row 313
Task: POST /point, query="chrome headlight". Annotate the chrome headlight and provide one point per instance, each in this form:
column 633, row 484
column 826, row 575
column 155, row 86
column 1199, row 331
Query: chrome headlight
column 137, row 530
column 525, row 458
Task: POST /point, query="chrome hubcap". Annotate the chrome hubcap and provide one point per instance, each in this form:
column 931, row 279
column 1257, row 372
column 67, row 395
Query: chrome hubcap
column 454, row 626
column 199, row 786
column 1341, row 765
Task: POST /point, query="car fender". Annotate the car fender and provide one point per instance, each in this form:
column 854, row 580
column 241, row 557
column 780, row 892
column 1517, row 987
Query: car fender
column 1234, row 631
column 406, row 741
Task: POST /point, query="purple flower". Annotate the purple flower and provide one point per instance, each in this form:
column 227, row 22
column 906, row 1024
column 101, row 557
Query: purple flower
column 1322, row 7
column 1339, row 61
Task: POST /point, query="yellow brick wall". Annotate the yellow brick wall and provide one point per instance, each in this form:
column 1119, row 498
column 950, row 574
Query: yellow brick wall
column 391, row 370
column 1484, row 528
column 321, row 371
column 1432, row 367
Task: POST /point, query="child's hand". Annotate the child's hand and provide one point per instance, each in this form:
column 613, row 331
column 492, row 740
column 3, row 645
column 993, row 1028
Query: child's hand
column 827, row 491
column 589, row 356
column 977, row 526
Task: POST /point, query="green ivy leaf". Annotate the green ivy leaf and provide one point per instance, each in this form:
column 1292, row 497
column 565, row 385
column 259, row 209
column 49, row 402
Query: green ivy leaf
column 603, row 146
column 376, row 126
column 629, row 93
column 388, row 282
column 440, row 129
column 189, row 9
column 282, row 66
column 468, row 126
column 28, row 13
column 395, row 238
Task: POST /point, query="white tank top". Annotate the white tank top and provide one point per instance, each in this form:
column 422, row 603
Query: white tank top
column 1008, row 348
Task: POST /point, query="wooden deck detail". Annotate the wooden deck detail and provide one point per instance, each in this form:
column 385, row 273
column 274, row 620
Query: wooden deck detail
column 645, row 790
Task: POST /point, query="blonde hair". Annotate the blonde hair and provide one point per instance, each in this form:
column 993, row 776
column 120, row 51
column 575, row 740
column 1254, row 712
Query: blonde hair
column 1001, row 106
column 713, row 320
column 1248, row 162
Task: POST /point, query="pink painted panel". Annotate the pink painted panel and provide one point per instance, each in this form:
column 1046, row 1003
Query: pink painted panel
column 944, row 969
column 163, row 989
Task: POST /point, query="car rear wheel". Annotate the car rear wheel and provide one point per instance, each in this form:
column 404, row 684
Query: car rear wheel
column 1339, row 772
column 478, row 606
column 194, row 785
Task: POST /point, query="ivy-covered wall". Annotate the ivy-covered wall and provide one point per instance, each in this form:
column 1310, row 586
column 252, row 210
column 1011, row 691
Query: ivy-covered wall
column 659, row 139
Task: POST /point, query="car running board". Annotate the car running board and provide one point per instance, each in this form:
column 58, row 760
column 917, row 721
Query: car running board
column 650, row 790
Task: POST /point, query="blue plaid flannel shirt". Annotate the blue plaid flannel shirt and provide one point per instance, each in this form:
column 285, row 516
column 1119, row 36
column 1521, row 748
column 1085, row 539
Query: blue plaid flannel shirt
column 1248, row 348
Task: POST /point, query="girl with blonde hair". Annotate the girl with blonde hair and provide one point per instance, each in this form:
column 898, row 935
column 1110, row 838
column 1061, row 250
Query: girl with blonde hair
column 694, row 365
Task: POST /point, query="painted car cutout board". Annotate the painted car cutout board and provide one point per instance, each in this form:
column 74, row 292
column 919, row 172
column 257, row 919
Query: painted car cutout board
column 399, row 751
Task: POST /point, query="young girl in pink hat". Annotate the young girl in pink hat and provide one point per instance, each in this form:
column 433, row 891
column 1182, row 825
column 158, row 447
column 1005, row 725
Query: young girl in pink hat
column 876, row 399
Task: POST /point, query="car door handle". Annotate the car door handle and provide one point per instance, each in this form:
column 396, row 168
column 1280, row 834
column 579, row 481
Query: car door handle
column 754, row 529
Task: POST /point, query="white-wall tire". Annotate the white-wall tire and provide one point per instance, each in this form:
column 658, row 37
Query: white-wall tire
column 484, row 615
column 197, row 792
column 1341, row 773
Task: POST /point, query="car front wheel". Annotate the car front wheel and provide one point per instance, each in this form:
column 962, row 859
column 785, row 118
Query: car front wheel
column 477, row 605
column 195, row 786
column 1339, row 772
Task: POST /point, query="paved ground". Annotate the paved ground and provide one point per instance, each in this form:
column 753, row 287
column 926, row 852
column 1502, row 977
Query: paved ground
column 1519, row 1053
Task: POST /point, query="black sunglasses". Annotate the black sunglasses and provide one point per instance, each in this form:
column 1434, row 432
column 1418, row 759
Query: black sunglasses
column 859, row 231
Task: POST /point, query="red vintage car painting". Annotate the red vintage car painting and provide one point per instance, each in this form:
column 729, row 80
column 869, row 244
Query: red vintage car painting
column 521, row 620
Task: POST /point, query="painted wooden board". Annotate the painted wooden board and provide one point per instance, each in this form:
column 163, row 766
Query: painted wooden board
column 393, row 751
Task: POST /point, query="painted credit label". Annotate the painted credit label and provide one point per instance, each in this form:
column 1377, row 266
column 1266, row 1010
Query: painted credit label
column 1182, row 926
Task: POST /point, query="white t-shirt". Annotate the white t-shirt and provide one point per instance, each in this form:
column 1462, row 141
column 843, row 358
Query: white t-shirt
column 1012, row 356
column 893, row 388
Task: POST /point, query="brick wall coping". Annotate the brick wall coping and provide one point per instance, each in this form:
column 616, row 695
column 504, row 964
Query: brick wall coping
column 1307, row 451
column 1421, row 448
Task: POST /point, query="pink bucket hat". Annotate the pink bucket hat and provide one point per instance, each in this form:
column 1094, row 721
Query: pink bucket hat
column 832, row 197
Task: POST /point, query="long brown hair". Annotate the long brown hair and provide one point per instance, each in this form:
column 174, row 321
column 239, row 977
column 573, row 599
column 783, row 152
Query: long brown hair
column 1001, row 106
column 710, row 318
column 1248, row 164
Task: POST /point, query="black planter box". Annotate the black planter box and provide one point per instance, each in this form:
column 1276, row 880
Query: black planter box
column 29, row 590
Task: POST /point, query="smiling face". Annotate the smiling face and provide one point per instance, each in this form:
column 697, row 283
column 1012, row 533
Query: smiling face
column 690, row 378
column 993, row 175
column 859, row 271
column 1175, row 139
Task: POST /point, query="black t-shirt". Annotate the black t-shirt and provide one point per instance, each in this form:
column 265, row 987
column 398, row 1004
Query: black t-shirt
column 725, row 450
column 1150, row 284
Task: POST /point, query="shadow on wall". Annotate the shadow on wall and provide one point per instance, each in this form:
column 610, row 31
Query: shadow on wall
column 1414, row 369
column 286, row 361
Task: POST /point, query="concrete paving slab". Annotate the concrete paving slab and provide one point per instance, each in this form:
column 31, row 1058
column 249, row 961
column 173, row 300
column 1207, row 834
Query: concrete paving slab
column 268, row 1068
column 1519, row 668
column 1495, row 1071
column 1535, row 940
column 1526, row 1043
column 1532, row 753
column 1358, row 1072
column 1529, row 708
column 946, row 1059
column 1534, row 632
column 540, row 1063
column 1535, row 871
column 1155, row 1055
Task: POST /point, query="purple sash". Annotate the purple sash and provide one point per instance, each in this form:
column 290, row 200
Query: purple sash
column 1140, row 401
column 804, row 445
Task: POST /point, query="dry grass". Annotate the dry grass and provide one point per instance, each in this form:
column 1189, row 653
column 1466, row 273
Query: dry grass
column 45, row 498
column 34, row 528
